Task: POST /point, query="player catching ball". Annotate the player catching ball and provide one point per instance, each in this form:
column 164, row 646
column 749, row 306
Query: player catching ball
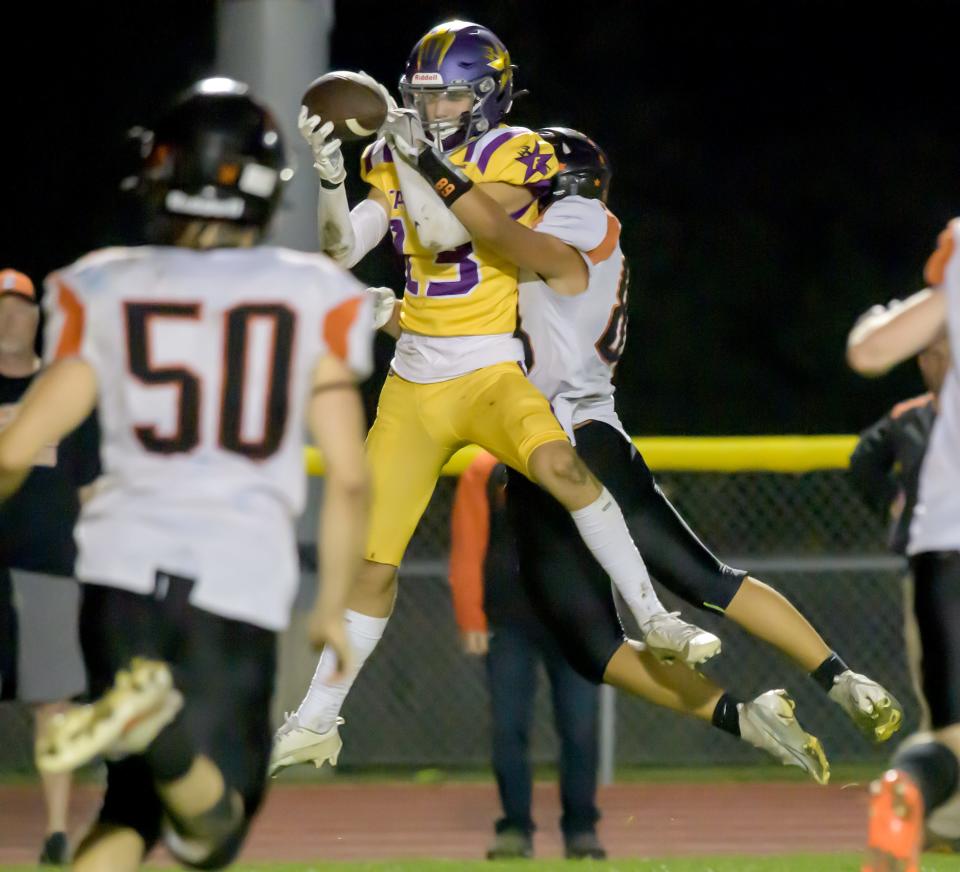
column 456, row 377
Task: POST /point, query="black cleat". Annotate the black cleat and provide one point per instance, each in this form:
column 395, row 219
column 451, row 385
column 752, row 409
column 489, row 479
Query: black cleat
column 584, row 846
column 55, row 851
column 511, row 845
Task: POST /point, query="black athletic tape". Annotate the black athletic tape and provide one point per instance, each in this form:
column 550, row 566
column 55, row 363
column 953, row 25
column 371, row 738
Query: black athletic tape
column 726, row 715
column 333, row 386
column 330, row 186
column 827, row 672
column 448, row 180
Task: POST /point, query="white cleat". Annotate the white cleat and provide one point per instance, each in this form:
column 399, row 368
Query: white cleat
column 668, row 638
column 769, row 723
column 874, row 710
column 295, row 744
column 124, row 721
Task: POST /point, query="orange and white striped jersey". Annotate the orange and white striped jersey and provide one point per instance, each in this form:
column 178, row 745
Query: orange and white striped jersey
column 936, row 518
column 573, row 344
column 470, row 290
column 204, row 362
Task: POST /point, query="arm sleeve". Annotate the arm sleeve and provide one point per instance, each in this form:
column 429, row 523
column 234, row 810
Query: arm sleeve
column 469, row 539
column 347, row 235
column 871, row 466
column 437, row 227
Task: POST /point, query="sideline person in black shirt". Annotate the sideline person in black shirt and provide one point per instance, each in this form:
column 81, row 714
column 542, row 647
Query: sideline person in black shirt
column 885, row 465
column 41, row 663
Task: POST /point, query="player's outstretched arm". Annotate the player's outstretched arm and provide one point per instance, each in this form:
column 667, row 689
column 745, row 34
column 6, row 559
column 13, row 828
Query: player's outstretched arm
column 480, row 209
column 338, row 427
column 888, row 335
column 345, row 235
column 437, row 228
column 55, row 404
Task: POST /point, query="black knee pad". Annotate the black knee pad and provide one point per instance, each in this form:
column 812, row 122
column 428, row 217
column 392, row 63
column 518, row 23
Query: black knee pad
column 934, row 768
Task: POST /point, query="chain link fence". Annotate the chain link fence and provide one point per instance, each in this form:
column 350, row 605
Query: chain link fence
column 421, row 702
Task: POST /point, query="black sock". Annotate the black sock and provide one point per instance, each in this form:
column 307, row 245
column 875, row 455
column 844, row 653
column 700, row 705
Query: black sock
column 725, row 715
column 827, row 671
column 934, row 768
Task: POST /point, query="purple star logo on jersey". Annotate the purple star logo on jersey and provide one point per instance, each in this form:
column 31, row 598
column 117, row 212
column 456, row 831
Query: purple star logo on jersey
column 534, row 160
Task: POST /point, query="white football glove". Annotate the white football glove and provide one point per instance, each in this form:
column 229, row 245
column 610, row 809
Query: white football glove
column 371, row 82
column 327, row 157
column 383, row 302
column 403, row 131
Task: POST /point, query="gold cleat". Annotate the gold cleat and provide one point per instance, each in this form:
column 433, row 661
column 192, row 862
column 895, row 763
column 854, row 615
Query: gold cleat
column 769, row 723
column 671, row 639
column 124, row 721
column 294, row 744
column 873, row 709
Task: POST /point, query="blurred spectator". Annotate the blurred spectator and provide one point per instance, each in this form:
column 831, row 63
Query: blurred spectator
column 496, row 619
column 41, row 663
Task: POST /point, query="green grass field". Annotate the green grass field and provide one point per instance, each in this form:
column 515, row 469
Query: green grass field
column 786, row 863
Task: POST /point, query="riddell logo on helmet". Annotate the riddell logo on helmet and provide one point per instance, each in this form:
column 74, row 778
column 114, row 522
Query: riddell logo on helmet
column 426, row 79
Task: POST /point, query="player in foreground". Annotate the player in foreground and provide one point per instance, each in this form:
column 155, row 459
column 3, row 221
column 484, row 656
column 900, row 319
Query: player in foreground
column 573, row 311
column 924, row 775
column 456, row 377
column 207, row 355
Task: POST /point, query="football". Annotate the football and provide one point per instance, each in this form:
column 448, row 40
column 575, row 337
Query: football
column 356, row 109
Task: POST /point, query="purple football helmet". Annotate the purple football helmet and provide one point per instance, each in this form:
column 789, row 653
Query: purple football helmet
column 456, row 61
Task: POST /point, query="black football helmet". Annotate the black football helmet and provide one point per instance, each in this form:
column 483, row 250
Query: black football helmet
column 584, row 167
column 216, row 155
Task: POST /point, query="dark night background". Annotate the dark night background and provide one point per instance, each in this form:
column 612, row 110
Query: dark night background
column 778, row 167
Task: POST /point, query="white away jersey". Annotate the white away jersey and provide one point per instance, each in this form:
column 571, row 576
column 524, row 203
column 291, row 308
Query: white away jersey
column 936, row 519
column 204, row 362
column 576, row 342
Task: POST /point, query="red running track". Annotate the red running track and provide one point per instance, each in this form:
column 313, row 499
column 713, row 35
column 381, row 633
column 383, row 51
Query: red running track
column 394, row 821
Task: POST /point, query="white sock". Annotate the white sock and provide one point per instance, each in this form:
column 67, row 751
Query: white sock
column 322, row 704
column 605, row 533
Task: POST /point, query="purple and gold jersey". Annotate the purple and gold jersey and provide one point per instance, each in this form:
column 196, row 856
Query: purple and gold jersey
column 469, row 290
